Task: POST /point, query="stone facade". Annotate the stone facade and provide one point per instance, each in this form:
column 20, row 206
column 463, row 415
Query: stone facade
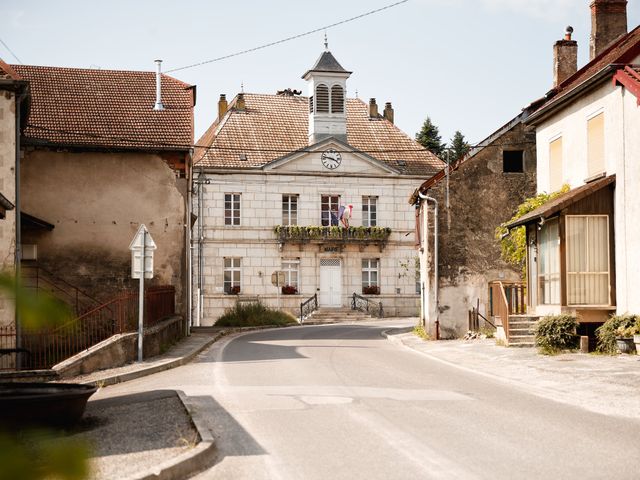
column 261, row 252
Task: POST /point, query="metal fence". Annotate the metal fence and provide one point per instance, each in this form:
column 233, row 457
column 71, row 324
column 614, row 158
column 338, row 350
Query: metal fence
column 43, row 348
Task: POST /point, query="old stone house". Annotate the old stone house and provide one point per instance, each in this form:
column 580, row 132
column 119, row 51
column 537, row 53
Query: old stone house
column 281, row 176
column 481, row 192
column 583, row 257
column 101, row 154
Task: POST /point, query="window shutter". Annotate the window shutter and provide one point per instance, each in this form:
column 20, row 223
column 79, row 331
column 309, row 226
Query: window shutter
column 322, row 99
column 595, row 145
column 337, row 99
column 555, row 165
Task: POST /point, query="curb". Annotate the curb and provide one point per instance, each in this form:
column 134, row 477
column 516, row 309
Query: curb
column 201, row 457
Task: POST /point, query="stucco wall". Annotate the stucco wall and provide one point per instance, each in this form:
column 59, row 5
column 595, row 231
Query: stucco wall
column 96, row 201
column 481, row 197
column 261, row 210
column 7, row 188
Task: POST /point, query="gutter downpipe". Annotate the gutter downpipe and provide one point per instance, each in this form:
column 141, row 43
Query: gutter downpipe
column 189, row 259
column 18, row 251
column 428, row 199
column 201, row 181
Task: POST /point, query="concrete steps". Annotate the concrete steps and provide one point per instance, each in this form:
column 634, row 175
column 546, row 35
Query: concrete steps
column 521, row 328
column 335, row 315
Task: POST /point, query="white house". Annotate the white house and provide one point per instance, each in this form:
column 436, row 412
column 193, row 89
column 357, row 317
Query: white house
column 583, row 246
column 279, row 178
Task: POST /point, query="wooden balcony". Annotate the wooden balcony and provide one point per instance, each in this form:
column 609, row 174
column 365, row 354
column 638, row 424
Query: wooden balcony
column 332, row 237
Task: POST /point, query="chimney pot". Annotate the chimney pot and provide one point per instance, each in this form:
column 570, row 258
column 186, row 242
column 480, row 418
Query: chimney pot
column 373, row 108
column 240, row 105
column 158, row 105
column 565, row 58
column 608, row 23
column 388, row 112
column 222, row 106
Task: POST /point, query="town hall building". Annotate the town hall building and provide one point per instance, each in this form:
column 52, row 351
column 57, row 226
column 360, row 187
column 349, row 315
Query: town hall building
column 315, row 187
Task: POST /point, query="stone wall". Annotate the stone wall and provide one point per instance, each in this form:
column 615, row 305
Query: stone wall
column 96, row 202
column 481, row 197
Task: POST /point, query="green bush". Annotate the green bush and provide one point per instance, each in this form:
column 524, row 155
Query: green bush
column 254, row 314
column 611, row 329
column 555, row 333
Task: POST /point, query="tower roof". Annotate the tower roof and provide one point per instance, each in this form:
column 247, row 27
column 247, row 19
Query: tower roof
column 326, row 63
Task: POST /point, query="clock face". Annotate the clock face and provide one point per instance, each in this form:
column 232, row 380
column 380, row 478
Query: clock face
column 331, row 159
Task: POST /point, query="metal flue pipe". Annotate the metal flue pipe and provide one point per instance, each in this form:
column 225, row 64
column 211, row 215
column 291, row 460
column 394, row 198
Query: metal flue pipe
column 158, row 105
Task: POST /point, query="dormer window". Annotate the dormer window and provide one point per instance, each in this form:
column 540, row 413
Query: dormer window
column 337, row 99
column 322, row 99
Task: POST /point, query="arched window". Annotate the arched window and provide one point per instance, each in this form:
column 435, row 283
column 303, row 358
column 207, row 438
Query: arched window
column 337, row 99
column 322, row 99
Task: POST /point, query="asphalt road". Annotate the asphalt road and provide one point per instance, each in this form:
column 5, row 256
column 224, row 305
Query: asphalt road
column 342, row 402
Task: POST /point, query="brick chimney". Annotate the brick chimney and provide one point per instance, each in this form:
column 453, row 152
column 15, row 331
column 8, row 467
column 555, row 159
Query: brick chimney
column 373, row 108
column 565, row 58
column 608, row 23
column 240, row 105
column 388, row 112
column 222, row 106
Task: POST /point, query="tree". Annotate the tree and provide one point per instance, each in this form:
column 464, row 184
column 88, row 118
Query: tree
column 429, row 138
column 458, row 147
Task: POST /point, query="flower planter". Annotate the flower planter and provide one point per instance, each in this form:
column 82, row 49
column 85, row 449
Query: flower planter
column 625, row 345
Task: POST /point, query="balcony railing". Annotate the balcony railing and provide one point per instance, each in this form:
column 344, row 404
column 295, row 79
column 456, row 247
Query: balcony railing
column 296, row 234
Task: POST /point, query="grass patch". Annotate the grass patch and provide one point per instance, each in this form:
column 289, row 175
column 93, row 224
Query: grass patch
column 254, row 315
column 419, row 331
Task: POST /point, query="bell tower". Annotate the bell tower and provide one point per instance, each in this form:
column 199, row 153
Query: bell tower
column 327, row 98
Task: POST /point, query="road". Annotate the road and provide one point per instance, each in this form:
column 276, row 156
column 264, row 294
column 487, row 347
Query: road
column 342, row 402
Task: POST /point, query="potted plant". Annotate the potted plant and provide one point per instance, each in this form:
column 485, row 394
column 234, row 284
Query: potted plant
column 371, row 290
column 624, row 339
column 235, row 290
column 289, row 290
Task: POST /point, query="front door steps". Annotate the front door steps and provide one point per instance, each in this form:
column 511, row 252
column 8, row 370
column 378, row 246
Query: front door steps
column 335, row 315
column 521, row 330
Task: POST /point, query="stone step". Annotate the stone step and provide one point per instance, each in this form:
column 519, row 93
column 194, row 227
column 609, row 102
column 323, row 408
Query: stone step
column 522, row 345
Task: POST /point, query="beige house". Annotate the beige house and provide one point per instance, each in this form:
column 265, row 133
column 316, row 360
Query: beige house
column 279, row 178
column 101, row 155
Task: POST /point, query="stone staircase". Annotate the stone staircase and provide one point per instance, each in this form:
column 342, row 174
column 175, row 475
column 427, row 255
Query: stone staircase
column 521, row 330
column 335, row 315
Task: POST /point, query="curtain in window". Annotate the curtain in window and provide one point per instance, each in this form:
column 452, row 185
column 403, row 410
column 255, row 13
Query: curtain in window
column 549, row 264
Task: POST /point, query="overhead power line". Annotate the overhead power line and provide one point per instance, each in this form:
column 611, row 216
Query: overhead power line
column 11, row 51
column 277, row 42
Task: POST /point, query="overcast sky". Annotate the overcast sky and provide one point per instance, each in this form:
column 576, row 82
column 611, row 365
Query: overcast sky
column 470, row 65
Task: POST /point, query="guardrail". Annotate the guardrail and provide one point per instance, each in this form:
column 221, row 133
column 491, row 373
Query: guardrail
column 358, row 302
column 308, row 306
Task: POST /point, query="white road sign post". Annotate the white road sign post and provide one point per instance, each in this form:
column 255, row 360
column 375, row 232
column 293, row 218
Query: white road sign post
column 142, row 247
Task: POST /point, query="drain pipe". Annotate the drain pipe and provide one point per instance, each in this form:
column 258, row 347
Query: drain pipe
column 428, row 199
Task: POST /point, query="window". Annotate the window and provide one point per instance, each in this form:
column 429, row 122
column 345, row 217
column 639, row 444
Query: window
column 595, row 145
column 337, row 99
column 322, row 99
column 587, row 260
column 369, row 211
column 290, row 209
column 417, row 273
column 232, row 209
column 329, row 205
column 290, row 267
column 370, row 283
column 555, row 165
column 549, row 264
column 232, row 275
column 513, row 161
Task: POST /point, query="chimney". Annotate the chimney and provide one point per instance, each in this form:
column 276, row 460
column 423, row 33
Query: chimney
column 388, row 112
column 608, row 23
column 158, row 105
column 373, row 108
column 222, row 106
column 240, row 105
column 565, row 58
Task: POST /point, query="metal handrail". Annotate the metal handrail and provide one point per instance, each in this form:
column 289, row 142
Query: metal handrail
column 358, row 302
column 308, row 306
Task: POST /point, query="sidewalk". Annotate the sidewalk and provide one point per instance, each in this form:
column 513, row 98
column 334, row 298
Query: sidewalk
column 599, row 383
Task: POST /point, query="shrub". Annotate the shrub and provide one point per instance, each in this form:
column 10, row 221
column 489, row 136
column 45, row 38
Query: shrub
column 555, row 333
column 611, row 329
column 371, row 290
column 254, row 314
column 419, row 331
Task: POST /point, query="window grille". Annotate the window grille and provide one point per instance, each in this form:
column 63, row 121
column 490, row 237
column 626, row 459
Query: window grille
column 329, row 262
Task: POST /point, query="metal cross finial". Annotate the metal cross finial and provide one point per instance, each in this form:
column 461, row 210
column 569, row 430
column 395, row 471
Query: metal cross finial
column 326, row 42
column 241, row 87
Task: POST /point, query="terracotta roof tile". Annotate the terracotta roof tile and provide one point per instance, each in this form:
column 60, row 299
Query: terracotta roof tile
column 106, row 108
column 274, row 125
column 8, row 73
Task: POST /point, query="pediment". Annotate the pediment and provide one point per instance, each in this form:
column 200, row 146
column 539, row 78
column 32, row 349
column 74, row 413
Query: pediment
column 338, row 158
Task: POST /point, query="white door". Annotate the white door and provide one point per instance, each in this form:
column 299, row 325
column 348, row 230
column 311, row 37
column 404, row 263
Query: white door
column 330, row 282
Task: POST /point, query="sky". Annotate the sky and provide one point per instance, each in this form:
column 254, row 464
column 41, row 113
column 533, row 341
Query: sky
column 470, row 65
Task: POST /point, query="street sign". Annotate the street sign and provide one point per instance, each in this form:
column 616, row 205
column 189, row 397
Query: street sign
column 277, row 278
column 141, row 246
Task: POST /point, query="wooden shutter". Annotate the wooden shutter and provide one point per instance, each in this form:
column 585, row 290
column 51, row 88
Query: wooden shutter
column 555, row 165
column 595, row 145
